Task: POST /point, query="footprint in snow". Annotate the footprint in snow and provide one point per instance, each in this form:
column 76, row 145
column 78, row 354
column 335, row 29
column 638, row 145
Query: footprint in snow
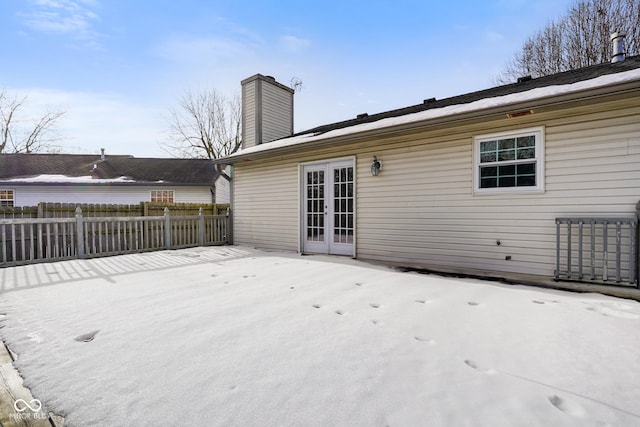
column 538, row 301
column 420, row 301
column 316, row 305
column 472, row 364
column 358, row 284
column 425, row 340
column 376, row 322
column 292, row 287
column 374, row 305
column 339, row 312
column 34, row 337
column 621, row 311
column 89, row 336
column 473, row 303
column 567, row 406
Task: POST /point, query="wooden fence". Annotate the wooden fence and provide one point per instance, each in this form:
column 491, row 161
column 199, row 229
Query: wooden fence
column 33, row 240
column 68, row 210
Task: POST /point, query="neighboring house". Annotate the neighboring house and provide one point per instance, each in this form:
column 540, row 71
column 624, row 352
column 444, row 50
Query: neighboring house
column 223, row 186
column 28, row 179
column 470, row 183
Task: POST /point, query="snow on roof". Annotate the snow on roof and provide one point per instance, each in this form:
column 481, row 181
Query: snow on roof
column 69, row 179
column 530, row 95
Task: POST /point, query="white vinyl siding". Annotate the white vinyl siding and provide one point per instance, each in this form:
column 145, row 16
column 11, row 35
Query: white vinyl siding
column 31, row 195
column 265, row 206
column 277, row 113
column 249, row 136
column 421, row 211
column 223, row 188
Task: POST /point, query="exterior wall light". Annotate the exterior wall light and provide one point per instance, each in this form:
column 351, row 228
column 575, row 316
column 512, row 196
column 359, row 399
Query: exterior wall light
column 376, row 166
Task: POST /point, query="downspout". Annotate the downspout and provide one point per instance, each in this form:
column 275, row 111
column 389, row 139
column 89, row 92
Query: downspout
column 222, row 173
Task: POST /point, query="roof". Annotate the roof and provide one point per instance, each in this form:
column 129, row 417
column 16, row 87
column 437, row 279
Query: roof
column 88, row 168
column 526, row 90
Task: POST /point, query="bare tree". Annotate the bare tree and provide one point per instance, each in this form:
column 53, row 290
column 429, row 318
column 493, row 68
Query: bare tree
column 22, row 135
column 578, row 39
column 206, row 125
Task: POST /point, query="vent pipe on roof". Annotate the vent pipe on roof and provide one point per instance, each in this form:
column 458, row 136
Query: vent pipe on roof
column 102, row 154
column 619, row 50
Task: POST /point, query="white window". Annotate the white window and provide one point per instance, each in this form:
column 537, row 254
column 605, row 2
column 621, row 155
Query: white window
column 509, row 162
column 162, row 196
column 7, row 198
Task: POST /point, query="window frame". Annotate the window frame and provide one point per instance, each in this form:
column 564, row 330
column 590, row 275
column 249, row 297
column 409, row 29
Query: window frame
column 173, row 196
column 538, row 133
column 5, row 199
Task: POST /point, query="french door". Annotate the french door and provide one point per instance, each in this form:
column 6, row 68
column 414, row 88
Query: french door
column 328, row 210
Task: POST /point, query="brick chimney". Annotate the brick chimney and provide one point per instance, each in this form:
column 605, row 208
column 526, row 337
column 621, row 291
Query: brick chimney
column 267, row 110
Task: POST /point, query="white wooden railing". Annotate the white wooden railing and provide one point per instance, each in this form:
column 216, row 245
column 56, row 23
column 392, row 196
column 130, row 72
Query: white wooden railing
column 33, row 240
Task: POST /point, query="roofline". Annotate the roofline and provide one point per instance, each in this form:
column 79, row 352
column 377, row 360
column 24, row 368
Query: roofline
column 547, row 101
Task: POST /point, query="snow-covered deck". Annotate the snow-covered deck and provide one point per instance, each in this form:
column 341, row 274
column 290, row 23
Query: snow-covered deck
column 233, row 336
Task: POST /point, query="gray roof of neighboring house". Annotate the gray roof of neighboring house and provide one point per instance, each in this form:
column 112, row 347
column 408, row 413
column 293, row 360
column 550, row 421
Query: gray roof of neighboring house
column 139, row 170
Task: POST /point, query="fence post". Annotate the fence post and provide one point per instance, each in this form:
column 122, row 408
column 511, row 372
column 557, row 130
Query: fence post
column 79, row 233
column 167, row 229
column 200, row 227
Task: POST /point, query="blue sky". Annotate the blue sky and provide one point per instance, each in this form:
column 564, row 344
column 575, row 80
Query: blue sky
column 117, row 66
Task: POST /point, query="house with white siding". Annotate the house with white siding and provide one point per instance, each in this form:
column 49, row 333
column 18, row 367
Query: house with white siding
column 472, row 183
column 28, row 179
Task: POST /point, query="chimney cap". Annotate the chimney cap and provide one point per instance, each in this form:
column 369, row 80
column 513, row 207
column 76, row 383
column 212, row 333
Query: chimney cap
column 617, row 34
column 269, row 79
column 524, row 78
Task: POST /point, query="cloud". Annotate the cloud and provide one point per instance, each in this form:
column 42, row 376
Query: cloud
column 196, row 49
column 493, row 36
column 294, row 44
column 95, row 120
column 69, row 17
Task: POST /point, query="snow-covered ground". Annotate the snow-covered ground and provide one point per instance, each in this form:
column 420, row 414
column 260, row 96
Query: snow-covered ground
column 231, row 336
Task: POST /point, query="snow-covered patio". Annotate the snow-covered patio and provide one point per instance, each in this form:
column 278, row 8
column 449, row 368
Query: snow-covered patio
column 234, row 336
